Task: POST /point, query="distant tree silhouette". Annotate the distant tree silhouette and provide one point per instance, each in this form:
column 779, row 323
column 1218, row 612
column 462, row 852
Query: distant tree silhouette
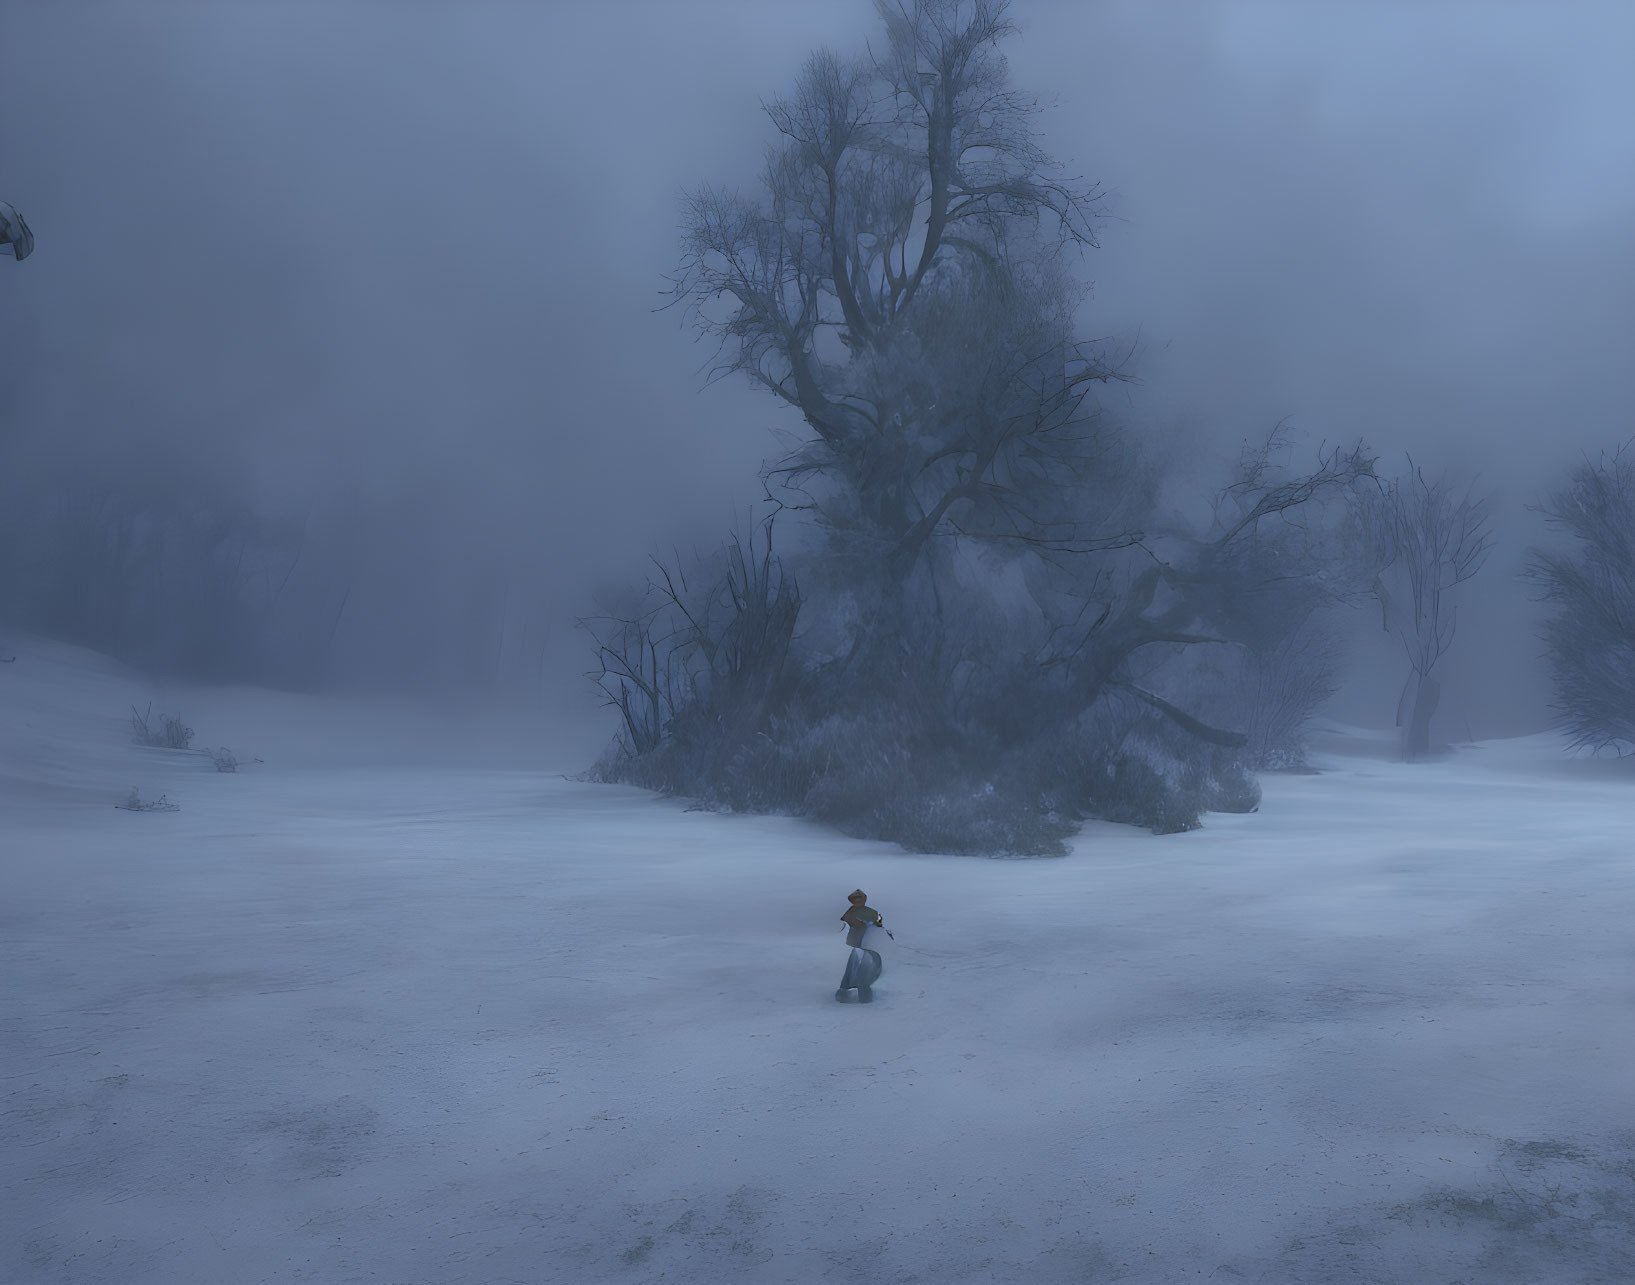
column 1426, row 538
column 1590, row 637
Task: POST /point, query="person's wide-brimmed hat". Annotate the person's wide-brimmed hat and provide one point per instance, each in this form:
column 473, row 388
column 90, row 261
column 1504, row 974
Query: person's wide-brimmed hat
column 858, row 892
column 15, row 238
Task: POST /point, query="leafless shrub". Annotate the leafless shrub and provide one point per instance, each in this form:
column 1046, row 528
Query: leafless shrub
column 1270, row 687
column 702, row 642
column 170, row 733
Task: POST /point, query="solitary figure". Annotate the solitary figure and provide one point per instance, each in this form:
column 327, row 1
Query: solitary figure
column 863, row 968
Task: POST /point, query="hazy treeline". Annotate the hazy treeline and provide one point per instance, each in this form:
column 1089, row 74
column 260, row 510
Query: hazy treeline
column 172, row 568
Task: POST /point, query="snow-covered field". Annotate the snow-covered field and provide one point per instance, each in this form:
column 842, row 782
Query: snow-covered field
column 355, row 1014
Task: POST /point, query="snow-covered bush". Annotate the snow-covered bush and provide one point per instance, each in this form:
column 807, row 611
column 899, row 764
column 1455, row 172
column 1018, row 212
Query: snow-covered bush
column 937, row 785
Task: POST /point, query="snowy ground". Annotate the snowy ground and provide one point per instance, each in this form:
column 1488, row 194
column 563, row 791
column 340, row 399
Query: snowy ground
column 414, row 1024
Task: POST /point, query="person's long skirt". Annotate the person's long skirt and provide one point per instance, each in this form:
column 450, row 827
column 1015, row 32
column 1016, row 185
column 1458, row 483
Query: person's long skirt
column 862, row 970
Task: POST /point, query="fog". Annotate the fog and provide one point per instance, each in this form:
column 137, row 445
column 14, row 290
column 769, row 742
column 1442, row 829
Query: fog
column 389, row 278
column 340, row 384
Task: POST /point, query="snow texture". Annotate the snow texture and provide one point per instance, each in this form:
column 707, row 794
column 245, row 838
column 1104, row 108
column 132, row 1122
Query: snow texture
column 353, row 1015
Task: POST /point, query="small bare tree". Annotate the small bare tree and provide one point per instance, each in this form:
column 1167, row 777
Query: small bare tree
column 1425, row 538
column 1590, row 639
column 639, row 670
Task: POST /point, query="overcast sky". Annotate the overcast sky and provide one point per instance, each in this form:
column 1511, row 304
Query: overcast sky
column 402, row 261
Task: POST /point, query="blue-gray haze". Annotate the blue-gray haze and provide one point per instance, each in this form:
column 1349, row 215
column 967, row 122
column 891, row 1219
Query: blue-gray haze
column 387, row 276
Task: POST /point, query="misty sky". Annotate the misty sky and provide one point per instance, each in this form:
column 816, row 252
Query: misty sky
column 395, row 268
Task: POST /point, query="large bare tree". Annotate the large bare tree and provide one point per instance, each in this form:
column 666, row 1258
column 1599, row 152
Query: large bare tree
column 990, row 568
column 900, row 282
